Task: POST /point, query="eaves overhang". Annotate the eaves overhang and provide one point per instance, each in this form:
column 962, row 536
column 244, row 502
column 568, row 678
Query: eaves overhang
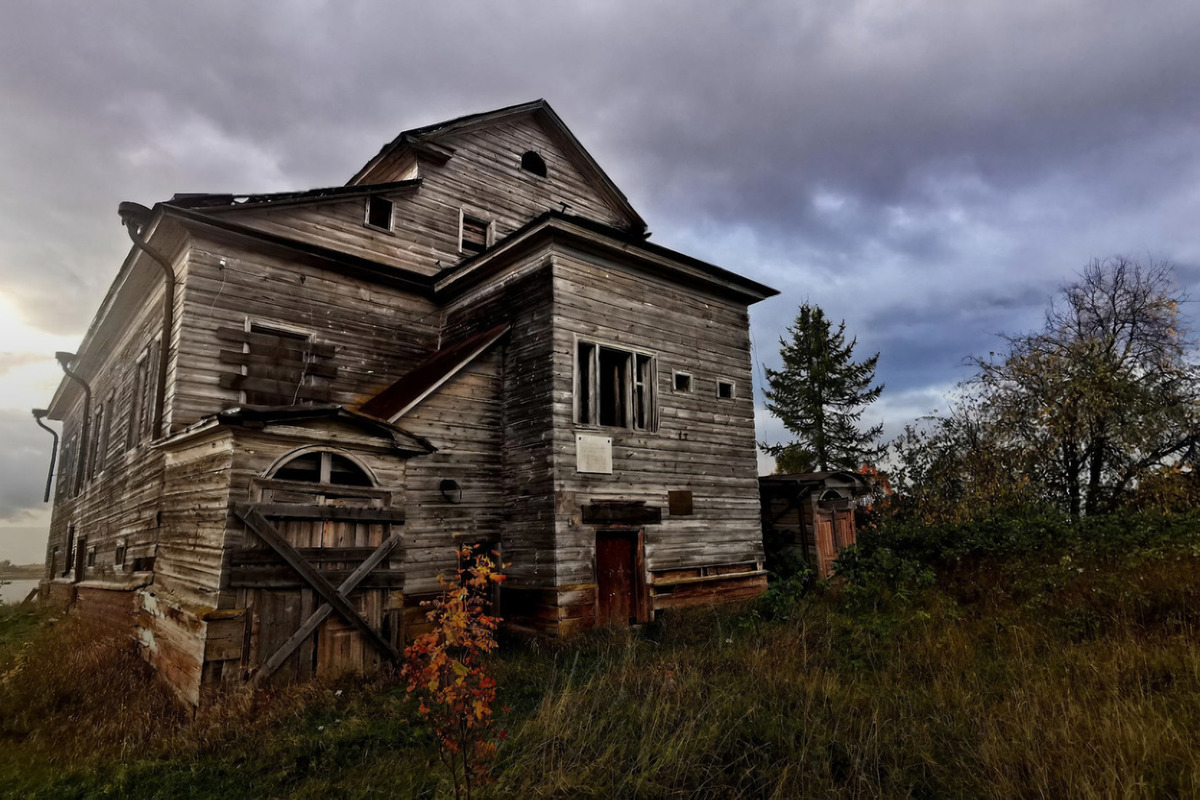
column 603, row 240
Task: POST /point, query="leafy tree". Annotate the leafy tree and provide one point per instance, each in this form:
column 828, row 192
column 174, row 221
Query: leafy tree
column 445, row 670
column 820, row 395
column 1105, row 394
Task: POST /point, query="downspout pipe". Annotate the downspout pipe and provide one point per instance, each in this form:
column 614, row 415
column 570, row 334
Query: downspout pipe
column 39, row 414
column 65, row 360
column 134, row 217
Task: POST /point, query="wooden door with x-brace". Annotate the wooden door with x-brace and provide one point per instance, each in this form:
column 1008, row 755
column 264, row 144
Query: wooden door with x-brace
column 320, row 575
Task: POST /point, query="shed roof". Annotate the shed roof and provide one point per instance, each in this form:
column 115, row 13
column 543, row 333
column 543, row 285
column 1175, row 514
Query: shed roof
column 424, row 379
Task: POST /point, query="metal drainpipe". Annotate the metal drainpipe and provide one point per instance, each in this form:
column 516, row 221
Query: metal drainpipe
column 133, row 217
column 38, row 415
column 64, row 360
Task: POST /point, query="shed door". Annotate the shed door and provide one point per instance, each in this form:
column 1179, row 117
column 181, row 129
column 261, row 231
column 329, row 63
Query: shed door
column 616, row 553
column 826, row 553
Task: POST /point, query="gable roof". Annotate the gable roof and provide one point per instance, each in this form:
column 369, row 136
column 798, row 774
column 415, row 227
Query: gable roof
column 425, row 378
column 429, row 140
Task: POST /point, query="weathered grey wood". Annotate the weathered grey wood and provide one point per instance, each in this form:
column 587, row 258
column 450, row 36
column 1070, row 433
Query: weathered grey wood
column 314, row 621
column 339, row 513
column 265, row 530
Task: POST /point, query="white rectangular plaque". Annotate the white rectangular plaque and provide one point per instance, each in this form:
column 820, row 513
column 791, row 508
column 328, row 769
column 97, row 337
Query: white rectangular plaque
column 593, row 453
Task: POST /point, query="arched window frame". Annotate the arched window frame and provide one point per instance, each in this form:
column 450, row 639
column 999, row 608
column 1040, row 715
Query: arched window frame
column 533, row 163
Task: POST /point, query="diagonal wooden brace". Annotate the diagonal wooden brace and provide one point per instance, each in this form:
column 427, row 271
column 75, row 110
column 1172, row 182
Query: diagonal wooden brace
column 314, row 620
column 335, row 598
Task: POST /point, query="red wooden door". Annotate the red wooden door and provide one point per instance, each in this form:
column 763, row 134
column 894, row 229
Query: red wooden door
column 615, row 554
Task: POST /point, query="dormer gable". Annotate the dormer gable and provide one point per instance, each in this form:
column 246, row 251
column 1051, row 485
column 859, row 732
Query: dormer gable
column 524, row 152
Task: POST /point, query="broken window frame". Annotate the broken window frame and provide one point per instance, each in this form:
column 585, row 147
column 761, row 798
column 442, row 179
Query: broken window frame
column 474, row 234
column 141, row 395
column 615, row 387
column 371, row 218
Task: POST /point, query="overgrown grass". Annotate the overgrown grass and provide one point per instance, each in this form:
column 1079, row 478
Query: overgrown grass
column 1068, row 667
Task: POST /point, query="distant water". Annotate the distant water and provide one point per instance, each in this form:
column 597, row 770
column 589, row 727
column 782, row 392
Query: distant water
column 15, row 591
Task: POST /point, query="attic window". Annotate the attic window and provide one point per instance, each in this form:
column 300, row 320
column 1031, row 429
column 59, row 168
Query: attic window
column 473, row 237
column 532, row 162
column 379, row 213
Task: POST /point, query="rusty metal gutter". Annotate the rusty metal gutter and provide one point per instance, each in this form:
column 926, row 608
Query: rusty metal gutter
column 134, row 217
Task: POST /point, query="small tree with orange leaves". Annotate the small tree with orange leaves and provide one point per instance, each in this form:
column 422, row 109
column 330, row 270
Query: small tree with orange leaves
column 444, row 669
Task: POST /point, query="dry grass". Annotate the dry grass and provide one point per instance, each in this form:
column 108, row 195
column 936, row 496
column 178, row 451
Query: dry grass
column 1011, row 678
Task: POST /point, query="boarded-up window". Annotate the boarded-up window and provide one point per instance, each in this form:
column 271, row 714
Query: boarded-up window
column 614, row 387
column 474, row 237
column 277, row 367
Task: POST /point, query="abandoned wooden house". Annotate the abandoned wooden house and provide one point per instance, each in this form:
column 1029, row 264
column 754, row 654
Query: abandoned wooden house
column 291, row 407
column 809, row 517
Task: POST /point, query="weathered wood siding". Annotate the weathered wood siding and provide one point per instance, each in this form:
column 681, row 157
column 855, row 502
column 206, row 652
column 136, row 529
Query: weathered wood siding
column 375, row 333
column 704, row 444
column 521, row 296
column 483, row 179
column 463, row 420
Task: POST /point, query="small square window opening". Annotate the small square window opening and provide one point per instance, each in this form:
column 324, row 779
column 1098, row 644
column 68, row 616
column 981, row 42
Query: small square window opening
column 683, row 382
column 725, row 390
column 379, row 213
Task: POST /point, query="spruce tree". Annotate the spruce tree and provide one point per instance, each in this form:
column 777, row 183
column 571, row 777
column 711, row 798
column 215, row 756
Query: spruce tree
column 819, row 395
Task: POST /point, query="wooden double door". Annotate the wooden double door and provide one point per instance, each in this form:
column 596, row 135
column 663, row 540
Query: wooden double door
column 333, row 537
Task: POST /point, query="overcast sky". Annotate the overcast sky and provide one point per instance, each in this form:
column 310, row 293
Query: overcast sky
column 929, row 171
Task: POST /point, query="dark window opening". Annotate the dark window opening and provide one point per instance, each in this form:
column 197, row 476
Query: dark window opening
column 119, row 555
column 324, row 467
column 683, row 382
column 91, row 556
column 474, row 235
column 379, row 213
column 615, row 387
column 532, row 162
column 141, row 395
column 69, row 564
column 725, row 390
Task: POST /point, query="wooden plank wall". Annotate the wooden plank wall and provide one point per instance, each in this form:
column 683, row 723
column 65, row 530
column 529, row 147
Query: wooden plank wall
column 377, row 333
column 119, row 502
column 704, row 444
column 484, row 178
column 523, row 297
column 463, row 420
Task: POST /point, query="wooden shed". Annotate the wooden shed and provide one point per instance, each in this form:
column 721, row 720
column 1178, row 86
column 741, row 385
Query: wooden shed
column 810, row 516
column 291, row 407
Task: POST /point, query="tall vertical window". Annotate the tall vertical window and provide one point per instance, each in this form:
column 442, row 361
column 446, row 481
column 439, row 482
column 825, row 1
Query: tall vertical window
column 142, row 395
column 614, row 387
column 473, row 236
column 99, row 443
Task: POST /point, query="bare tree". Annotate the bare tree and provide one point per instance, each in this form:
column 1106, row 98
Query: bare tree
column 1106, row 392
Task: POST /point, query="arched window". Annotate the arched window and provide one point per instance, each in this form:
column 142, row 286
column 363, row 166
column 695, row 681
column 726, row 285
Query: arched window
column 320, row 466
column 832, row 494
column 532, row 162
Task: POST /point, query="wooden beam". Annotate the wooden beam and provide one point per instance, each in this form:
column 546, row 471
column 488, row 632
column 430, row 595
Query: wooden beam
column 304, row 511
